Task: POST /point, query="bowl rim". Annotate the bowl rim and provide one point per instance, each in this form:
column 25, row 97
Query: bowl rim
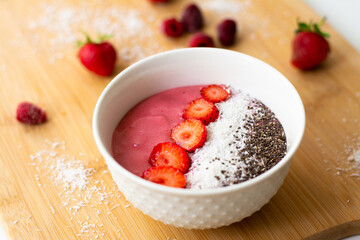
column 112, row 163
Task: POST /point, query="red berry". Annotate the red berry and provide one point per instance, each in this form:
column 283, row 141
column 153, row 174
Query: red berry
column 172, row 28
column 309, row 47
column 309, row 50
column 28, row 113
column 170, row 154
column 192, row 19
column 165, row 175
column 226, row 31
column 98, row 57
column 201, row 40
column 189, row 134
column 202, row 110
column 214, row 93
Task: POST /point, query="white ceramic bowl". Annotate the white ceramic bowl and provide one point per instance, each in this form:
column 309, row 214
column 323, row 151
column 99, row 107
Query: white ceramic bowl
column 192, row 66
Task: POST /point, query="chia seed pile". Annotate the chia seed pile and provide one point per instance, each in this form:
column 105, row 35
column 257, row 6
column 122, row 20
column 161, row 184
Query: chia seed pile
column 246, row 141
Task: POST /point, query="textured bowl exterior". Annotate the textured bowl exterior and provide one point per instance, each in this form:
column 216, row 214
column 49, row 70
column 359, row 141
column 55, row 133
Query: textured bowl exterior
column 201, row 212
column 208, row 208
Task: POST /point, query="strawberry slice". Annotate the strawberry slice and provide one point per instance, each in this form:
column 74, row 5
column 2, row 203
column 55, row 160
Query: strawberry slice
column 202, row 110
column 165, row 175
column 214, row 93
column 189, row 134
column 170, row 154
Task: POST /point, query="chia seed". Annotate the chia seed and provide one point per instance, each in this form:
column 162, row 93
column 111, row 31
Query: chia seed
column 254, row 143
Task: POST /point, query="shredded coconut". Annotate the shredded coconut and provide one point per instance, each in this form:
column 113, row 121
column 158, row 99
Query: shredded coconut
column 54, row 28
column 221, row 7
column 347, row 162
column 233, row 159
column 202, row 171
column 355, row 156
column 77, row 189
column 72, row 174
column 62, row 25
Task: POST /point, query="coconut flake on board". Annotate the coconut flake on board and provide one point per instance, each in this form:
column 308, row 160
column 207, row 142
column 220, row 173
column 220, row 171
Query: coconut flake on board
column 355, row 156
column 229, row 7
column 347, row 162
column 77, row 187
column 62, row 25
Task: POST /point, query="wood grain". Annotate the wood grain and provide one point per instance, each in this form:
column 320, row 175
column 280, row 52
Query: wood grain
column 338, row 232
column 39, row 64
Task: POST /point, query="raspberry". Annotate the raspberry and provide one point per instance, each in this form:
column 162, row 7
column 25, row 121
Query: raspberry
column 28, row 113
column 172, row 27
column 201, row 40
column 192, row 19
column 226, row 32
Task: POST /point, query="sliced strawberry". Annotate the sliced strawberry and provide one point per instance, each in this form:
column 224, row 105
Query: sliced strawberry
column 189, row 134
column 214, row 93
column 165, row 175
column 202, row 110
column 170, row 154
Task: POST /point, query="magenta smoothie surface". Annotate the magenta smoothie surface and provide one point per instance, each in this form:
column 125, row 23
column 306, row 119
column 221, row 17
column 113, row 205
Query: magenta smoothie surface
column 245, row 140
column 147, row 124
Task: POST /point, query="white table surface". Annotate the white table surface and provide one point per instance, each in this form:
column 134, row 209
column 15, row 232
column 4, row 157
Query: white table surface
column 344, row 17
column 2, row 234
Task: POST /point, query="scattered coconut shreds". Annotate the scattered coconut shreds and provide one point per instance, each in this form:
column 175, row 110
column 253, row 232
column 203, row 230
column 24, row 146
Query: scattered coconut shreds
column 62, row 25
column 355, row 156
column 229, row 7
column 77, row 189
column 132, row 29
column 71, row 174
column 347, row 162
column 52, row 210
column 350, row 164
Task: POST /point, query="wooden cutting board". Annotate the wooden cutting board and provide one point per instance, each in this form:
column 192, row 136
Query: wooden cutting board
column 54, row 182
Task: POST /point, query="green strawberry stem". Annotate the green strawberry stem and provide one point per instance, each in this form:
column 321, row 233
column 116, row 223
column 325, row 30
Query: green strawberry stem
column 311, row 27
column 100, row 39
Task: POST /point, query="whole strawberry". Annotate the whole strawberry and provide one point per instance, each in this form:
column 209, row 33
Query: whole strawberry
column 309, row 47
column 98, row 56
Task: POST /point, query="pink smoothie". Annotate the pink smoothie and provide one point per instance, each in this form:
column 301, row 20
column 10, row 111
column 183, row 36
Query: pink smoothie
column 147, row 124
